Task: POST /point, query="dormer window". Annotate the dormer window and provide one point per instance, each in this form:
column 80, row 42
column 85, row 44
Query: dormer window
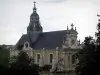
column 26, row 45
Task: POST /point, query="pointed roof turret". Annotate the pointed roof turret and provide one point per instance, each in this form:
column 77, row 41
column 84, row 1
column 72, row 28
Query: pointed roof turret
column 67, row 28
column 34, row 25
column 34, row 9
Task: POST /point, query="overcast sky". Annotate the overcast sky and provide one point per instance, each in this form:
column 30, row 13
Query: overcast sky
column 54, row 15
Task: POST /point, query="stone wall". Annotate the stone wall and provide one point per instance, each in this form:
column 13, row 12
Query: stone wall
column 65, row 55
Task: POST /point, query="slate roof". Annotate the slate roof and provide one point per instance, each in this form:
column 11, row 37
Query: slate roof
column 26, row 38
column 48, row 40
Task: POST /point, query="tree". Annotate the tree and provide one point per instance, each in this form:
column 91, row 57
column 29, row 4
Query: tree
column 22, row 60
column 4, row 59
column 86, row 58
column 89, row 56
column 97, row 64
column 23, row 65
column 20, row 64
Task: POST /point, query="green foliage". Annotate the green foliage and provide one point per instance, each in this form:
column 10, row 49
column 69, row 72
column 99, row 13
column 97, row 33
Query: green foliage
column 22, row 60
column 4, row 60
column 89, row 56
column 4, row 56
column 97, row 65
column 23, row 65
column 46, row 68
column 86, row 57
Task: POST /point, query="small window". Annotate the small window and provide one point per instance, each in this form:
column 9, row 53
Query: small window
column 73, row 59
column 51, row 57
column 38, row 57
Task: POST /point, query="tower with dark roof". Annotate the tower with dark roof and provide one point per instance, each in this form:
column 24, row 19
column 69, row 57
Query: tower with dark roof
column 34, row 25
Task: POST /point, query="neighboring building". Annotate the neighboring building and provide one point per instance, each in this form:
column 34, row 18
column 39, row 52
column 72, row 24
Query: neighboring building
column 59, row 46
column 7, row 46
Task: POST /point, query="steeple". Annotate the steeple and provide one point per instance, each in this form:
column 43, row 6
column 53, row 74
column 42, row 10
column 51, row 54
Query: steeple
column 34, row 9
column 34, row 25
column 67, row 28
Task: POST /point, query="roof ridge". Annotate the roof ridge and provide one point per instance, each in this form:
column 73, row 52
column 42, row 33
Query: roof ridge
column 54, row 31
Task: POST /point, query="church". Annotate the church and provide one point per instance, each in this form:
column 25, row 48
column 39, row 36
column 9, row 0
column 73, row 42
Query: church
column 56, row 48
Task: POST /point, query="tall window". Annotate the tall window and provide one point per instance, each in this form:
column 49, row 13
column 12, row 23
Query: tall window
column 73, row 59
column 51, row 57
column 38, row 57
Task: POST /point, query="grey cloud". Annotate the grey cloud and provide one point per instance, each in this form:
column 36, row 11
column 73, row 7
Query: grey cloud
column 54, row 0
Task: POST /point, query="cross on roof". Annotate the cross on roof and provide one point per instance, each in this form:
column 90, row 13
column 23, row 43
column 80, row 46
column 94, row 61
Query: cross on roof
column 72, row 25
column 34, row 3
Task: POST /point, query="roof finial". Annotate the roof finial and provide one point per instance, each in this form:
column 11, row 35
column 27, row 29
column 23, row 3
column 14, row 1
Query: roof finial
column 75, row 28
column 79, row 41
column 34, row 3
column 34, row 6
column 67, row 27
column 72, row 26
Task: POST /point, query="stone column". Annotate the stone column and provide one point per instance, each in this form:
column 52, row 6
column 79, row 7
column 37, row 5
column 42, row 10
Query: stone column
column 45, row 57
column 54, row 62
column 70, row 61
column 41, row 62
column 68, row 57
column 65, row 61
column 35, row 57
column 57, row 55
column 31, row 53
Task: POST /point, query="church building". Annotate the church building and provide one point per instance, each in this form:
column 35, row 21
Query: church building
column 56, row 48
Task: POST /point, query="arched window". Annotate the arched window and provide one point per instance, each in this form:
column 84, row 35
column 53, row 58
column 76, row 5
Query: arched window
column 51, row 57
column 38, row 57
column 73, row 59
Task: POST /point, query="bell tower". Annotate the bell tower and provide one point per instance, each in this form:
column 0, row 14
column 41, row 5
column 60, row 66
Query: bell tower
column 34, row 25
